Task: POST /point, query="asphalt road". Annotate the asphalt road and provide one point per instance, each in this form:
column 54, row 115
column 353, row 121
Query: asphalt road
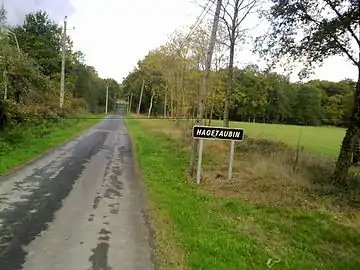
column 79, row 207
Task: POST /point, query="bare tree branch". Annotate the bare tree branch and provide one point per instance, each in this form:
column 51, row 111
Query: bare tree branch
column 249, row 9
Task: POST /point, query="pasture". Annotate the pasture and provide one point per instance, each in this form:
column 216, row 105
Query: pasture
column 323, row 140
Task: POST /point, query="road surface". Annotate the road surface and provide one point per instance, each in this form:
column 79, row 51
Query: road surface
column 79, row 207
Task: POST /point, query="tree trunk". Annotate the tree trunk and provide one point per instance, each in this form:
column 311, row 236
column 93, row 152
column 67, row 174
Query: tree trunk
column 172, row 103
column 165, row 101
column 233, row 36
column 3, row 117
column 151, row 104
column 194, row 110
column 183, row 110
column 356, row 152
column 176, row 98
column 141, row 94
column 345, row 157
column 212, row 106
column 205, row 81
column 230, row 82
column 217, row 63
column 131, row 97
column 344, row 160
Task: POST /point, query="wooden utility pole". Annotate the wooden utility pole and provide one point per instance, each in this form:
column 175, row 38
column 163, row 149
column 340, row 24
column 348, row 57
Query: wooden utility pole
column 205, row 82
column 107, row 99
column 141, row 94
column 62, row 79
column 209, row 54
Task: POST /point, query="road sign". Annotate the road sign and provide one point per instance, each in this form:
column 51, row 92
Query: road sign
column 218, row 133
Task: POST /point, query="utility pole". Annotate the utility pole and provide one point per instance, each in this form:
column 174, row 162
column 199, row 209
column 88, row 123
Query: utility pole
column 63, row 57
column 107, row 99
column 62, row 80
column 205, row 84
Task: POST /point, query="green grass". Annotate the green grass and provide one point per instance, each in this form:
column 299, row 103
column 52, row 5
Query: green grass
column 22, row 144
column 319, row 140
column 222, row 233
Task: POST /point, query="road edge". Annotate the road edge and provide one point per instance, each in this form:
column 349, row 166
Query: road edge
column 48, row 151
column 151, row 233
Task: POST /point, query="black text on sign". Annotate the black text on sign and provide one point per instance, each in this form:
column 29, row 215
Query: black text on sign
column 218, row 133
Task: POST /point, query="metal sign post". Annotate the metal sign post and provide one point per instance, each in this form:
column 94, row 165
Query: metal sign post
column 198, row 172
column 231, row 159
column 216, row 133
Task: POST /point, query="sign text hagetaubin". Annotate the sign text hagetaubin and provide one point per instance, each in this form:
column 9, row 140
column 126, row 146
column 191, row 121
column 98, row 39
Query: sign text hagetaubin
column 218, row 133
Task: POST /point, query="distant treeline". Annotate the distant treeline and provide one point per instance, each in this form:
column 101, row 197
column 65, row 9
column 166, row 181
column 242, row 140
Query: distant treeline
column 258, row 96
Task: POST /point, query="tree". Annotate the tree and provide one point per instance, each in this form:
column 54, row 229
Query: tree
column 40, row 37
column 312, row 30
column 307, row 106
column 234, row 13
column 277, row 104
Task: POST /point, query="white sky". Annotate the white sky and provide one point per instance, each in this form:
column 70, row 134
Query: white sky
column 115, row 34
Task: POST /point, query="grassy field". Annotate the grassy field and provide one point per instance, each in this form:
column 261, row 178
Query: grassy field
column 320, row 140
column 24, row 144
column 217, row 226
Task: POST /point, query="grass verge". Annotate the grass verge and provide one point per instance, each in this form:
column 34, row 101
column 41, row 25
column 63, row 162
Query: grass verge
column 22, row 143
column 200, row 228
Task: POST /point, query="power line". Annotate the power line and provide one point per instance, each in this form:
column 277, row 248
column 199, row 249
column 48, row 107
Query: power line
column 199, row 20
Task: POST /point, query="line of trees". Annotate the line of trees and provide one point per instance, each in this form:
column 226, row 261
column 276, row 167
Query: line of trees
column 257, row 96
column 30, row 66
column 169, row 78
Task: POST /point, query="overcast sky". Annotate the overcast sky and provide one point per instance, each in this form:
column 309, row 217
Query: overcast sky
column 115, row 34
